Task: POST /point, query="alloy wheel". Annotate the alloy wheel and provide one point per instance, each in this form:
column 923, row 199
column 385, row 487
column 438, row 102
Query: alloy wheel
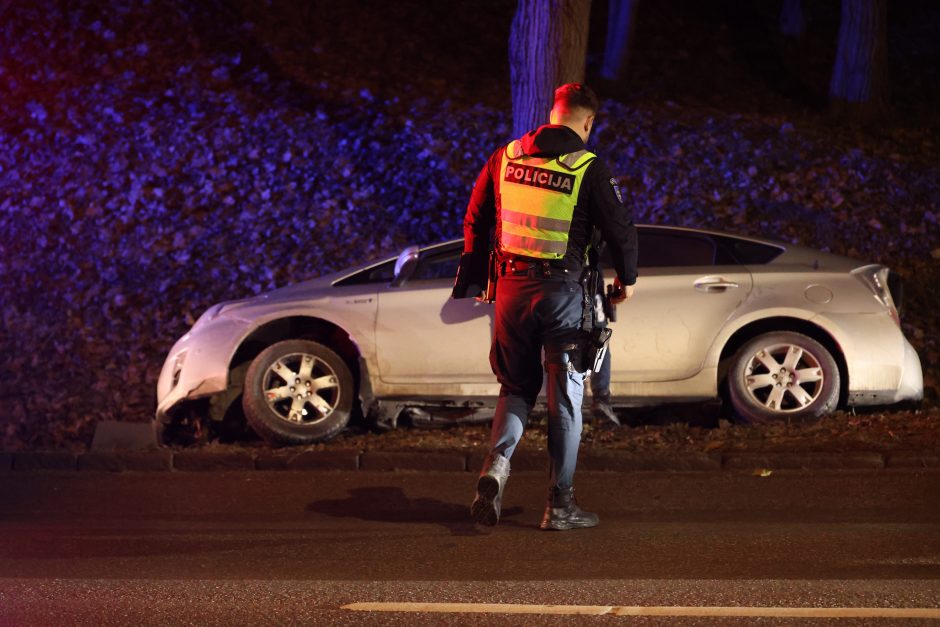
column 301, row 388
column 784, row 378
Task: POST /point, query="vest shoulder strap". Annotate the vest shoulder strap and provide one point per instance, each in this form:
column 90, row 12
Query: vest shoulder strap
column 576, row 160
column 514, row 150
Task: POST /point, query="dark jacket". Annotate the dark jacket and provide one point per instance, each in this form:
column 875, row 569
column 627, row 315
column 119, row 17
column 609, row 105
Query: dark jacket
column 598, row 205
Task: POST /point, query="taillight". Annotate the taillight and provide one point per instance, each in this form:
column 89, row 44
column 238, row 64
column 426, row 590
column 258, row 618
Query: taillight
column 884, row 284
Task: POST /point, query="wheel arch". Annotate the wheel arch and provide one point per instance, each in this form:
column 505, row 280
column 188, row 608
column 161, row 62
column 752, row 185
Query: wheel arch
column 782, row 323
column 295, row 328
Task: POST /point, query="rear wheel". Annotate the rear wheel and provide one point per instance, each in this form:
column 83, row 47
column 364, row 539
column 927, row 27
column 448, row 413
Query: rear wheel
column 783, row 376
column 298, row 392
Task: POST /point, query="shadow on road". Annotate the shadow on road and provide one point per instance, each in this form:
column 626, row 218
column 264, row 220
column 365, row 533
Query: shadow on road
column 391, row 504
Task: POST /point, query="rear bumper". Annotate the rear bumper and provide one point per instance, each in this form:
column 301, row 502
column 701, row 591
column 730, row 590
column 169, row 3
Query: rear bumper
column 910, row 387
column 882, row 366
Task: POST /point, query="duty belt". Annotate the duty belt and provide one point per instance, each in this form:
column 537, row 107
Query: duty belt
column 534, row 268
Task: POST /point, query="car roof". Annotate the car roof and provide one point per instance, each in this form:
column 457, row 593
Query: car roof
column 790, row 253
column 683, row 229
column 342, row 274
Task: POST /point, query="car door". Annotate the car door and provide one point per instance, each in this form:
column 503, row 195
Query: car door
column 682, row 300
column 423, row 336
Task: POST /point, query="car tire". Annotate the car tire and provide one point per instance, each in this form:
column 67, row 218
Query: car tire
column 298, row 392
column 783, row 376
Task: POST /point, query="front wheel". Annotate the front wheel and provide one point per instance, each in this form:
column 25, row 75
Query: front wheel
column 298, row 392
column 783, row 376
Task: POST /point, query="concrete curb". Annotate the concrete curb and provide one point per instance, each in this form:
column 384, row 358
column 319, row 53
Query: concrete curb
column 222, row 460
column 409, row 460
column 522, row 460
column 120, row 461
column 645, row 462
column 804, row 461
column 309, row 460
column 456, row 460
column 45, row 461
column 913, row 460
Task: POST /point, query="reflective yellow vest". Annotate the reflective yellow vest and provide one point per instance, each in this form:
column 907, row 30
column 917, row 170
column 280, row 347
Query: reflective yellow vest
column 536, row 201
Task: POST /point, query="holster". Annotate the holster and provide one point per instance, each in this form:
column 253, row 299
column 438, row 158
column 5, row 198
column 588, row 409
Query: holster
column 585, row 349
column 596, row 347
column 593, row 339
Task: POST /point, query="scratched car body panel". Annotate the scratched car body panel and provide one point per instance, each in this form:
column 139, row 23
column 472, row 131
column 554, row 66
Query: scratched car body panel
column 700, row 296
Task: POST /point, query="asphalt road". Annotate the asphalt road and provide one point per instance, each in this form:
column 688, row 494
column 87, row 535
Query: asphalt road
column 295, row 548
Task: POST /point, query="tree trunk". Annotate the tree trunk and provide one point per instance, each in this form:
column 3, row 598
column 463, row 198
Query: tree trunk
column 547, row 48
column 621, row 21
column 792, row 22
column 858, row 90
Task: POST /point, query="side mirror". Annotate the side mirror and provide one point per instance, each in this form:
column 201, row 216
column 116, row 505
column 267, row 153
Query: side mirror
column 405, row 265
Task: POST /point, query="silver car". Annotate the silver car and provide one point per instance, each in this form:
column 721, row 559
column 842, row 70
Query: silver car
column 782, row 331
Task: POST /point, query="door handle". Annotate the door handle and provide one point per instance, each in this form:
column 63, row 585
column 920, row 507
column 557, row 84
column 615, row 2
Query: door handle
column 714, row 284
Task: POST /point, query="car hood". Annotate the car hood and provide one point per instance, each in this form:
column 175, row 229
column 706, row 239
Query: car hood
column 312, row 289
column 308, row 291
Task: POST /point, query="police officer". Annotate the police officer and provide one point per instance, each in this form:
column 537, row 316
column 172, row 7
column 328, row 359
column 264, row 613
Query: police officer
column 542, row 196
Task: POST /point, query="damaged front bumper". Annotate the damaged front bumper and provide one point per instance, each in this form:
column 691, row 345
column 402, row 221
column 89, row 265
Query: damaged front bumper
column 198, row 364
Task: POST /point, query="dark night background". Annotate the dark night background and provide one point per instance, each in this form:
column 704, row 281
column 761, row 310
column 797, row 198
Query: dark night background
column 157, row 157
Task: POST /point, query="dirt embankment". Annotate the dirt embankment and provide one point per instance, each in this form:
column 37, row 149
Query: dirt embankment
column 156, row 158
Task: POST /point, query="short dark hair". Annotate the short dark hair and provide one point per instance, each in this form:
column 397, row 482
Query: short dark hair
column 573, row 95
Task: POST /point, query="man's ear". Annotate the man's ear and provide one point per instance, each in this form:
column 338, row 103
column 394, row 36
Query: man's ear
column 588, row 123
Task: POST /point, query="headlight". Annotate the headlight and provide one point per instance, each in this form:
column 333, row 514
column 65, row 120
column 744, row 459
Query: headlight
column 213, row 312
column 882, row 282
column 210, row 314
column 178, row 368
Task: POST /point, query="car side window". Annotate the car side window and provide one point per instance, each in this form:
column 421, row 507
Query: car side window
column 382, row 273
column 433, row 265
column 753, row 253
column 438, row 266
column 670, row 249
column 663, row 250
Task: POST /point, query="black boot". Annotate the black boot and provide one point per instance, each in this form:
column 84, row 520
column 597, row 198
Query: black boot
column 563, row 513
column 603, row 411
column 489, row 499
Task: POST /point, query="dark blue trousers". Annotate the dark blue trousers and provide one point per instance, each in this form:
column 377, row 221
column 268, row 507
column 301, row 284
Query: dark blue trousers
column 532, row 314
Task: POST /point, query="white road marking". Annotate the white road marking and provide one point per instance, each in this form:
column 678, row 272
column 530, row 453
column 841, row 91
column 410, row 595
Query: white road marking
column 637, row 610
